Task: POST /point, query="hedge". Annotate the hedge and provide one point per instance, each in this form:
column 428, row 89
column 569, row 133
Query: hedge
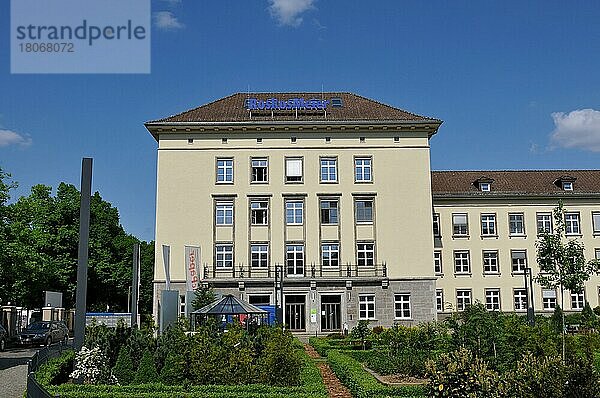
column 364, row 385
column 56, row 370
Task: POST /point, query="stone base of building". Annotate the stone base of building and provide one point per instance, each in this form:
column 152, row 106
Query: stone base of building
column 322, row 306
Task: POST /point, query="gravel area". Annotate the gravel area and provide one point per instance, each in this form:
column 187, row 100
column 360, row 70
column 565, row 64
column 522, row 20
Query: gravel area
column 13, row 371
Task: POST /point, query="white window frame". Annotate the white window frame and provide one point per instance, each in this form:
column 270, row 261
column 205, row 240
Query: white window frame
column 363, row 169
column 439, row 300
column 295, row 259
column 520, row 299
column 328, row 210
column 258, row 206
column 294, row 211
column 256, row 164
column 516, row 224
column 365, row 254
column 596, row 222
column 488, row 224
column 294, row 170
column 492, row 299
column 490, row 261
column 567, row 186
column 462, row 262
column 224, row 170
column 572, row 223
column 543, row 222
column 485, row 186
column 330, row 255
column 460, row 229
column 577, row 301
column 437, row 262
column 402, row 308
column 223, row 255
column 549, row 299
column 328, row 169
column 259, row 255
column 437, row 227
column 366, row 307
column 464, row 298
column 518, row 266
column 224, row 213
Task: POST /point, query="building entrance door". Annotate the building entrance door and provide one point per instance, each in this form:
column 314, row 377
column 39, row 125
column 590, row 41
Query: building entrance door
column 295, row 318
column 331, row 313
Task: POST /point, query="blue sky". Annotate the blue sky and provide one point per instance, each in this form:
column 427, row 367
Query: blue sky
column 516, row 83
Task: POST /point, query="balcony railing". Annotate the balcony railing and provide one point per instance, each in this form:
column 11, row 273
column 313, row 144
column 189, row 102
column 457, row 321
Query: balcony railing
column 241, row 271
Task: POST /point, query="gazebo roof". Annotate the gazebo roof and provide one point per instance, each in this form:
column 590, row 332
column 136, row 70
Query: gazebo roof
column 230, row 305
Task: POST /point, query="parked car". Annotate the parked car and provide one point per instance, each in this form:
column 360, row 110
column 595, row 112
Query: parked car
column 3, row 338
column 44, row 333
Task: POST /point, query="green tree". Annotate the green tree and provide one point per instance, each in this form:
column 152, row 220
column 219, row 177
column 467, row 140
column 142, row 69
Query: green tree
column 174, row 370
column 361, row 331
column 146, row 372
column 7, row 276
column 588, row 317
column 562, row 262
column 203, row 296
column 123, row 369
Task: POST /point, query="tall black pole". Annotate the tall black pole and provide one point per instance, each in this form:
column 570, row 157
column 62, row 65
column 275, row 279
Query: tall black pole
column 135, row 284
column 82, row 257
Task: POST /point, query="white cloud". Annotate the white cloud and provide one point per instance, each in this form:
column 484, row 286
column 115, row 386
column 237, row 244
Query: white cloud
column 577, row 129
column 288, row 12
column 8, row 137
column 166, row 20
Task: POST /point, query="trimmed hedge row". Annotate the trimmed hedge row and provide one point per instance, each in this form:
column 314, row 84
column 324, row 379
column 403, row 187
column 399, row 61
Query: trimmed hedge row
column 312, row 387
column 56, row 370
column 362, row 384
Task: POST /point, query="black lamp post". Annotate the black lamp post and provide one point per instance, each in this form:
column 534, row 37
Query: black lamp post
column 529, row 295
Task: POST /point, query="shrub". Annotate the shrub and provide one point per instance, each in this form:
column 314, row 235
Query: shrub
column 92, row 367
column 320, row 345
column 361, row 332
column 173, row 371
column 123, row 369
column 461, row 374
column 146, row 373
column 56, row 370
column 279, row 365
column 588, row 317
column 536, row 377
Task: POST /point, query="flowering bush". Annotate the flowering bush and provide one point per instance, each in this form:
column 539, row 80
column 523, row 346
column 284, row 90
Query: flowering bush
column 91, row 365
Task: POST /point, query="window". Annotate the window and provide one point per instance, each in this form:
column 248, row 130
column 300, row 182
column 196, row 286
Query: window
column 259, row 210
column 597, row 254
column 577, row 300
column 260, row 299
column 329, row 212
column 549, row 299
column 596, row 222
column 437, row 231
column 330, row 254
column 520, row 299
column 364, row 211
column 366, row 306
column 492, row 299
column 260, row 168
column 460, row 226
column 365, row 253
column 490, row 262
column 224, row 256
column 294, row 210
column 485, row 186
column 402, row 306
column 544, row 223
column 461, row 262
column 463, row 299
column 224, row 170
column 516, row 224
column 572, row 224
column 259, row 255
column 294, row 255
column 362, row 170
column 488, row 224
column 224, row 213
column 567, row 186
column 519, row 260
column 439, row 300
column 437, row 262
column 328, row 170
column 182, row 305
column 293, row 169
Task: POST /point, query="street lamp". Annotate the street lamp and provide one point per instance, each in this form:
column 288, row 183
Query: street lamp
column 529, row 296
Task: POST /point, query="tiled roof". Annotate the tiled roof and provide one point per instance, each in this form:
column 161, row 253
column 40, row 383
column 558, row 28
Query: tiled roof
column 354, row 108
column 515, row 182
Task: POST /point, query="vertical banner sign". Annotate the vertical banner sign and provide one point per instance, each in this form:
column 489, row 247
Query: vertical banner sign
column 167, row 263
column 192, row 259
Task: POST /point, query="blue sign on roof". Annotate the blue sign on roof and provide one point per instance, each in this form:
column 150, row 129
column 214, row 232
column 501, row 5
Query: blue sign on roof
column 289, row 104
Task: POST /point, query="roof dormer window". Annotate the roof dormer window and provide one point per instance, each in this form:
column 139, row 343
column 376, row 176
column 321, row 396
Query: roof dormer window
column 565, row 182
column 484, row 184
column 567, row 186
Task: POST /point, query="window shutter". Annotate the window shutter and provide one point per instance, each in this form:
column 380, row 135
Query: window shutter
column 294, row 167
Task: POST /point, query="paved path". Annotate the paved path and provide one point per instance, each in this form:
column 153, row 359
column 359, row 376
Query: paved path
column 13, row 371
column 334, row 386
